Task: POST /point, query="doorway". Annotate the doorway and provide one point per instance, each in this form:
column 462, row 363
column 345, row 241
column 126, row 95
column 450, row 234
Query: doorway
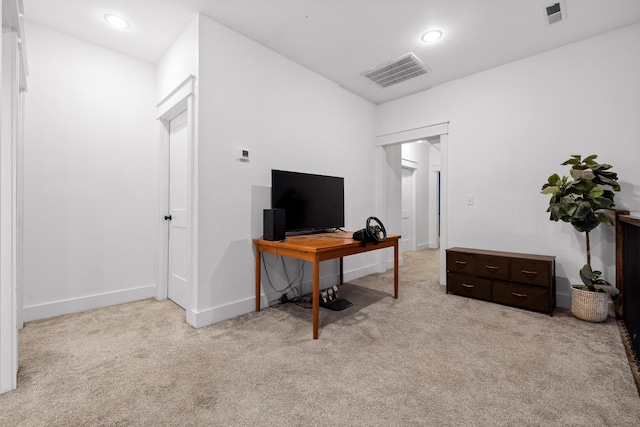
column 177, row 215
column 389, row 182
column 419, row 195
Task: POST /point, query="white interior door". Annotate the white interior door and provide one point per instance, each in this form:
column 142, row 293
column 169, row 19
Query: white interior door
column 178, row 271
column 406, row 242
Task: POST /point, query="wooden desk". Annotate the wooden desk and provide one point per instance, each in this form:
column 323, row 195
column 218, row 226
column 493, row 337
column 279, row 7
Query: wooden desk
column 322, row 247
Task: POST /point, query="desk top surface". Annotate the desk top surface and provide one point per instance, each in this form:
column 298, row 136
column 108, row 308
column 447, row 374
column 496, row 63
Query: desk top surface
column 321, row 241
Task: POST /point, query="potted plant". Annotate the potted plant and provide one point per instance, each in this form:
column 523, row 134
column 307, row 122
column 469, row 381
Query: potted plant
column 585, row 200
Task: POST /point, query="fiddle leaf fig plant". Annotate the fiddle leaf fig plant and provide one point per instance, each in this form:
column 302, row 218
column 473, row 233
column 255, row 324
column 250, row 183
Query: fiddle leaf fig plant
column 585, row 200
column 594, row 282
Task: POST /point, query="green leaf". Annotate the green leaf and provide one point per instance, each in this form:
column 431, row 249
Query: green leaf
column 608, row 174
column 575, row 160
column 553, row 179
column 590, row 159
column 585, row 174
column 608, row 181
column 586, row 275
column 585, row 224
column 601, row 204
column 606, row 216
column 583, row 209
column 596, row 192
column 611, row 290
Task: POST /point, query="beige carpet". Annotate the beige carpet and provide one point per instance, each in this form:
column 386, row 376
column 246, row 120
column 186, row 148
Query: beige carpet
column 427, row 359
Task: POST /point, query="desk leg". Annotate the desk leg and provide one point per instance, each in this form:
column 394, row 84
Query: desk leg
column 395, row 270
column 316, row 296
column 258, row 268
column 342, row 270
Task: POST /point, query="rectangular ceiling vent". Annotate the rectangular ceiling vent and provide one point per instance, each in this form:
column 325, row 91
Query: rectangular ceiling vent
column 555, row 13
column 396, row 71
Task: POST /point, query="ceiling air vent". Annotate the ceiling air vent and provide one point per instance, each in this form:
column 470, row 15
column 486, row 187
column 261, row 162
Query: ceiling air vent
column 396, row 71
column 555, row 13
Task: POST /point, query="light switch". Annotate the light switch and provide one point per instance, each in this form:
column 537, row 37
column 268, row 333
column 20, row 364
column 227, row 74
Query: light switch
column 469, row 199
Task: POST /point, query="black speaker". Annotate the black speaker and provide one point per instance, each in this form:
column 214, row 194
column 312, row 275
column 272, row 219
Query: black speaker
column 273, row 224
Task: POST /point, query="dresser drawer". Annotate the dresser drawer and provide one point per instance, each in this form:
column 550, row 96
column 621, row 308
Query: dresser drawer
column 492, row 266
column 461, row 262
column 469, row 286
column 531, row 272
column 519, row 295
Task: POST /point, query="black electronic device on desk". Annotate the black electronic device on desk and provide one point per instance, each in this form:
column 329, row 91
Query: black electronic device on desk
column 313, row 203
column 373, row 232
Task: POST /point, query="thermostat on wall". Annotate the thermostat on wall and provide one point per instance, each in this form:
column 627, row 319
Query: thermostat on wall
column 244, row 156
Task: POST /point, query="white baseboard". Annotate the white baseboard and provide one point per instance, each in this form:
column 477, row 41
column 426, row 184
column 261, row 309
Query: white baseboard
column 389, row 263
column 76, row 305
column 423, row 246
column 218, row 314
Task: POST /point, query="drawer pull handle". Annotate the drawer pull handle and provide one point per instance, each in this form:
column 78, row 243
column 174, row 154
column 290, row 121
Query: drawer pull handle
column 461, row 262
column 491, row 267
column 464, row 285
column 517, row 295
column 533, row 273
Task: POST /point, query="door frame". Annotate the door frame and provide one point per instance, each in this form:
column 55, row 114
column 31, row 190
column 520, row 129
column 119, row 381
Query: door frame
column 424, row 132
column 413, row 167
column 181, row 99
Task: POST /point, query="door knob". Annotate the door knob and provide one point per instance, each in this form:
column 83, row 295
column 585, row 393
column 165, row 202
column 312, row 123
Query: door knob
column 167, row 217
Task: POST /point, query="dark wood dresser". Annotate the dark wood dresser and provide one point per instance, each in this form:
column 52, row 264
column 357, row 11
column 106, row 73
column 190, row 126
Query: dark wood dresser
column 519, row 280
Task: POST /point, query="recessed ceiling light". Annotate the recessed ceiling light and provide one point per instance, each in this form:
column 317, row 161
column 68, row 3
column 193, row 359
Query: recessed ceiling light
column 116, row 21
column 431, row 36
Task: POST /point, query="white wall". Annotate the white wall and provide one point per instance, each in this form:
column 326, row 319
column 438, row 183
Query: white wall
column 511, row 127
column 90, row 180
column 180, row 61
column 288, row 118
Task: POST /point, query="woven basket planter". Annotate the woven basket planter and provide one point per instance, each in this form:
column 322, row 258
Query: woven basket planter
column 589, row 306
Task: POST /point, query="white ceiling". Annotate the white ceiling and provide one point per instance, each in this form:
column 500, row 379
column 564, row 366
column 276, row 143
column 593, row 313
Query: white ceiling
column 339, row 39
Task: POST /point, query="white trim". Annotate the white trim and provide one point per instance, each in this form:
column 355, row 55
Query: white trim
column 10, row 111
column 411, row 135
column 192, row 193
column 444, row 205
column 19, row 223
column 175, row 97
column 413, row 167
column 424, row 246
column 434, row 194
column 76, row 305
column 181, row 99
column 409, row 164
column 199, row 319
column 382, row 201
column 161, row 234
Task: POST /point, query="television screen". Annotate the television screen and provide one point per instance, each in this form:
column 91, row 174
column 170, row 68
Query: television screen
column 311, row 202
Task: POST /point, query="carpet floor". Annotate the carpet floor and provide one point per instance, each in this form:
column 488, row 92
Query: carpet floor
column 426, row 359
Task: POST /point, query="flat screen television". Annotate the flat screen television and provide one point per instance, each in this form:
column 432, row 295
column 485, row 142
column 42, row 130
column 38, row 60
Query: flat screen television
column 312, row 203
